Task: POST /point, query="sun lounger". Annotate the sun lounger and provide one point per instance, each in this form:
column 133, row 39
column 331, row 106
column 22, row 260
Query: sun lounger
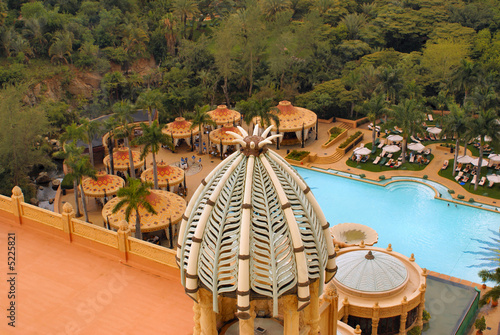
column 364, row 159
column 412, row 158
column 430, row 118
column 382, row 162
column 482, row 181
column 398, row 164
column 382, row 143
column 390, row 162
column 491, row 184
column 398, row 130
column 466, row 178
column 459, row 176
column 389, row 155
column 383, row 153
column 445, row 165
column 414, row 139
column 473, row 181
column 376, row 160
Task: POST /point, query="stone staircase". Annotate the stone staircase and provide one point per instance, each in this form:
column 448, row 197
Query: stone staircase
column 336, row 156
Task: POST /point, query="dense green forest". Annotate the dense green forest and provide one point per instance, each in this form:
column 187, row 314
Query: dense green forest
column 64, row 60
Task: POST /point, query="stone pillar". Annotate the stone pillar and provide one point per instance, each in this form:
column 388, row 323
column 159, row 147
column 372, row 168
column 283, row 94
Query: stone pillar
column 357, row 331
column 404, row 316
column 123, row 234
column 207, row 314
column 196, row 319
column 247, row 326
column 332, row 298
column 346, row 310
column 17, row 198
column 290, row 315
column 375, row 318
column 312, row 313
column 421, row 306
column 67, row 215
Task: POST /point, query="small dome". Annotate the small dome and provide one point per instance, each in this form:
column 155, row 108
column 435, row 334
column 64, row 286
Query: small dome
column 374, row 271
column 253, row 230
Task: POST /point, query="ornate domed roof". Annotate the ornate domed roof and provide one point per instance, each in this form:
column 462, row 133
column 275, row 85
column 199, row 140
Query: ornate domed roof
column 371, row 271
column 254, row 230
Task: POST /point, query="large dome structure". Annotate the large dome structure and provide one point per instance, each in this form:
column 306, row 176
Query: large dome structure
column 254, row 231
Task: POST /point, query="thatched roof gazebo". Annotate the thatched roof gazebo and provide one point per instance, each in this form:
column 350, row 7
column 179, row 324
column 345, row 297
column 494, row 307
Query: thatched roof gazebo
column 168, row 175
column 222, row 115
column 121, row 161
column 225, row 136
column 180, row 129
column 105, row 185
column 169, row 208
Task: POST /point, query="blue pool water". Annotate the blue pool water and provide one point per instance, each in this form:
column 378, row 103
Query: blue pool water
column 458, row 241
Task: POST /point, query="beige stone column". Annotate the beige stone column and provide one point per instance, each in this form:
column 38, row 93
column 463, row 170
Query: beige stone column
column 357, row 331
column 17, row 198
column 421, row 306
column 207, row 315
column 196, row 319
column 311, row 312
column 67, row 215
column 375, row 318
column 123, row 234
column 331, row 297
column 290, row 315
column 346, row 309
column 404, row 316
column 247, row 326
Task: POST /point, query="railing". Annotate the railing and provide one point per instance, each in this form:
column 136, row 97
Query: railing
column 41, row 215
column 5, row 203
column 151, row 252
column 94, row 233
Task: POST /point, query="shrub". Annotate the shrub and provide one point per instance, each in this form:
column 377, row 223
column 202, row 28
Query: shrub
column 334, row 132
column 480, row 324
column 415, row 331
column 471, row 200
column 362, row 175
column 426, row 316
column 426, row 176
column 451, row 191
column 66, row 183
column 349, row 139
column 381, row 177
column 297, row 155
column 460, row 196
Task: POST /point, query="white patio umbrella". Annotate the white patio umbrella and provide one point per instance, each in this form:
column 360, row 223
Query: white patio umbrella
column 493, row 178
column 395, row 138
column 434, row 130
column 475, row 162
column 416, row 146
column 486, row 138
column 494, row 158
column 465, row 159
column 362, row 151
column 391, row 148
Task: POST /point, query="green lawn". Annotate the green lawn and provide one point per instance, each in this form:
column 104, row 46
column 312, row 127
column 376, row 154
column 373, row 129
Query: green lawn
column 369, row 166
column 493, row 192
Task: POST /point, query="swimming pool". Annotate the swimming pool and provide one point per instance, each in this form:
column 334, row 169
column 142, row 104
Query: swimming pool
column 455, row 240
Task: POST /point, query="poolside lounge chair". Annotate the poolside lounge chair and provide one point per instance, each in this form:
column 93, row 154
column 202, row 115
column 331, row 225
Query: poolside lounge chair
column 382, row 154
column 445, row 165
column 398, row 164
column 390, row 162
column 466, row 178
column 430, row 118
column 491, row 184
column 412, row 158
column 389, row 155
column 414, row 139
column 382, row 143
column 382, row 162
column 459, row 175
column 473, row 181
column 482, row 181
column 376, row 160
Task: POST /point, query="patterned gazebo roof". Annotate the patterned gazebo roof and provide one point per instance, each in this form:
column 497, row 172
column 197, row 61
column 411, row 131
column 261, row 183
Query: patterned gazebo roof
column 167, row 205
column 226, row 134
column 121, row 159
column 253, row 230
column 167, row 175
column 293, row 118
column 105, row 185
column 180, row 128
column 222, row 115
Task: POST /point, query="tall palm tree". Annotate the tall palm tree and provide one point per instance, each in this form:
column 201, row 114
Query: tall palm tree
column 408, row 115
column 134, row 196
column 485, row 125
column 72, row 132
column 390, row 82
column 149, row 100
column 72, row 154
column 123, row 113
column 91, row 129
column 466, row 76
column 79, row 169
column 494, row 293
column 261, row 109
column 61, row 47
column 375, row 108
column 455, row 124
column 353, row 23
column 185, row 9
column 110, row 126
column 199, row 119
column 152, row 138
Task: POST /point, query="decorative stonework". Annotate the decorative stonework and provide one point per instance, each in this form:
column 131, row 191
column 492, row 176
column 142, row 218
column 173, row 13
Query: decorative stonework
column 95, row 233
column 151, row 251
column 42, row 215
column 5, row 203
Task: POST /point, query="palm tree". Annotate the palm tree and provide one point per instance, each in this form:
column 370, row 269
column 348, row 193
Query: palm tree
column 72, row 132
column 390, row 82
column 455, row 124
column 261, row 109
column 149, row 100
column 485, row 125
column 72, row 154
column 441, row 101
column 91, row 129
column 123, row 113
column 79, row 169
column 375, row 108
column 467, row 75
column 408, row 115
column 272, row 7
column 199, row 119
column 134, row 196
column 353, row 23
column 61, row 46
column 185, row 9
column 152, row 138
column 110, row 126
column 494, row 293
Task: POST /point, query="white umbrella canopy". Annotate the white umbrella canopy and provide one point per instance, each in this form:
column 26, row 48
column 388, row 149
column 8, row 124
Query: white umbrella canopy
column 486, row 138
column 475, row 162
column 434, row 130
column 465, row 159
column 395, row 138
column 493, row 178
column 391, row 148
column 494, row 158
column 362, row 151
column 416, row 146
